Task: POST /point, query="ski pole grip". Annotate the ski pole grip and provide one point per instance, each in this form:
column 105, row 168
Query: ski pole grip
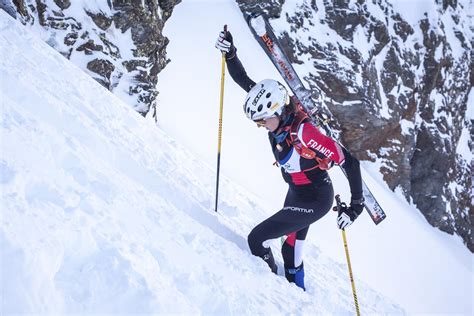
column 225, row 28
column 338, row 203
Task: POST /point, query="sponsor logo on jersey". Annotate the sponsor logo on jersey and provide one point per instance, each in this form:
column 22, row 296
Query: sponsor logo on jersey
column 292, row 162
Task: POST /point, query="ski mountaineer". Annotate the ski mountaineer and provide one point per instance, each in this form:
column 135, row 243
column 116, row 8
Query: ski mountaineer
column 304, row 154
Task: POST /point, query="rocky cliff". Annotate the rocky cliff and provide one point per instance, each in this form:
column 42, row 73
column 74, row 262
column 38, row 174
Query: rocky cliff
column 397, row 78
column 118, row 42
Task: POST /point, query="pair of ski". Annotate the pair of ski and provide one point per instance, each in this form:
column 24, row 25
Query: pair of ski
column 265, row 36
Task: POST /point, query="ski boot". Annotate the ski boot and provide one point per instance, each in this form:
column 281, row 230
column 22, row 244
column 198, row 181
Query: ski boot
column 296, row 275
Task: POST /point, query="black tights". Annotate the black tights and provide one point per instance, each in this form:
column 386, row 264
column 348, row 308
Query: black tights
column 301, row 209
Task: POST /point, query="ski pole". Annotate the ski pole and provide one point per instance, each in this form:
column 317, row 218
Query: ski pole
column 346, row 249
column 350, row 272
column 219, row 137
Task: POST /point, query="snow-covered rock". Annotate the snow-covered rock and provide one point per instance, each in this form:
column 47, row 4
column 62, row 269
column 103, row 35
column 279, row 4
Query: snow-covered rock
column 119, row 43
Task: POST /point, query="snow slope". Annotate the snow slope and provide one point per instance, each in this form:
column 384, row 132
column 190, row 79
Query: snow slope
column 423, row 269
column 102, row 212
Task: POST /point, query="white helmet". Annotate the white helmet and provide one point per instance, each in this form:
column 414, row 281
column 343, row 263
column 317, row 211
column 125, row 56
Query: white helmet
column 265, row 99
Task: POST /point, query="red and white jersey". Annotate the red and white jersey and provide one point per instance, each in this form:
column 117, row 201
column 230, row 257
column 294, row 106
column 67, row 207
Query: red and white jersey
column 297, row 170
column 312, row 138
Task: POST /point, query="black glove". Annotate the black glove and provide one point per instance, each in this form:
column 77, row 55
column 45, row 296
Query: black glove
column 225, row 43
column 347, row 215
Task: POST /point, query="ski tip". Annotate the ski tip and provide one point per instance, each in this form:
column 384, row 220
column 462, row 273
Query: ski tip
column 258, row 24
column 247, row 18
column 250, row 16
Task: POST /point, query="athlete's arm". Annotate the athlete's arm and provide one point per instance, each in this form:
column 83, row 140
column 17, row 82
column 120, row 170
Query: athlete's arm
column 225, row 43
column 237, row 71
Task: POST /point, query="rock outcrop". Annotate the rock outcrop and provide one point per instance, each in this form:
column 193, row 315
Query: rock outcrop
column 118, row 42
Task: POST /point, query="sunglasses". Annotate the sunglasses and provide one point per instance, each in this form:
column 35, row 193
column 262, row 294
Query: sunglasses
column 263, row 122
column 260, row 123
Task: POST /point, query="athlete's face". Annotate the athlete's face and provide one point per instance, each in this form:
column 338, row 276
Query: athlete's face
column 271, row 123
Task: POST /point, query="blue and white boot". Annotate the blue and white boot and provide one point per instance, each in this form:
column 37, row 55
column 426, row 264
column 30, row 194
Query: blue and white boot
column 296, row 275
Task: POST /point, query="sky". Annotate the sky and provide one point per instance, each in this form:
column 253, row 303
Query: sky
column 103, row 212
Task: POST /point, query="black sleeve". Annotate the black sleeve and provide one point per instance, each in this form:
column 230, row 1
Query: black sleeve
column 351, row 167
column 237, row 71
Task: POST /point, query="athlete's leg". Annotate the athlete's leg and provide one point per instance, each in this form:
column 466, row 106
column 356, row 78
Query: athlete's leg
column 296, row 215
column 292, row 248
column 268, row 229
column 292, row 252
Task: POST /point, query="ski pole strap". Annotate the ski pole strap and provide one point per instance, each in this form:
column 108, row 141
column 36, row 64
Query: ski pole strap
column 339, row 204
column 358, row 201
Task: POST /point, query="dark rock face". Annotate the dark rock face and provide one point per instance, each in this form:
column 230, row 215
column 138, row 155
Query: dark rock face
column 271, row 8
column 119, row 42
column 103, row 67
column 399, row 91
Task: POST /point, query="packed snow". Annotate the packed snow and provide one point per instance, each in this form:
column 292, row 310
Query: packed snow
column 103, row 212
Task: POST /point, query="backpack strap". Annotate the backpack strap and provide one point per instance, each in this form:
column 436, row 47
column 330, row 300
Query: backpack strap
column 305, row 152
column 300, row 118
